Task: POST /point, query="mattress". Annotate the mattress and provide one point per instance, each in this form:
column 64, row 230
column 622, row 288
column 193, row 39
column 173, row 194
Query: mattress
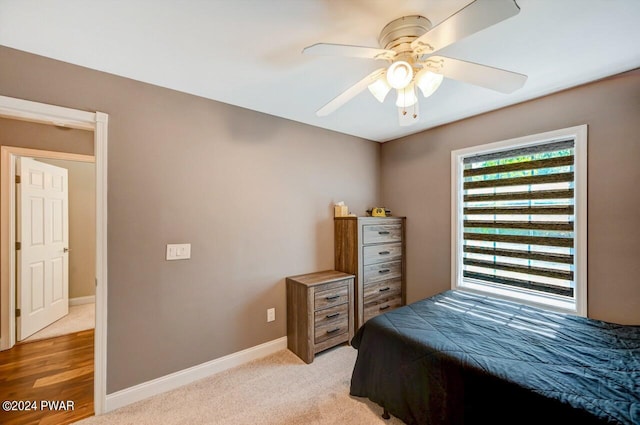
column 462, row 358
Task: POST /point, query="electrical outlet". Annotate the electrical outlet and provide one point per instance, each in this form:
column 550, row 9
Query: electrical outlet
column 271, row 314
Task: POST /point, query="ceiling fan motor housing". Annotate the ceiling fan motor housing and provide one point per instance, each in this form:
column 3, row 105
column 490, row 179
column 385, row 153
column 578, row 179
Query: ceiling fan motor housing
column 398, row 34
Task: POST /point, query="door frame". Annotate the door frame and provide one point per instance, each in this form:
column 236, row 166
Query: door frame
column 59, row 116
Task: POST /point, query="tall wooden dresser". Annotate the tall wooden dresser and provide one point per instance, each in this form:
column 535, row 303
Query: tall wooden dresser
column 372, row 249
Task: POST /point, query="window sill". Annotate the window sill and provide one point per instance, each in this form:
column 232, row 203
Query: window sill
column 537, row 300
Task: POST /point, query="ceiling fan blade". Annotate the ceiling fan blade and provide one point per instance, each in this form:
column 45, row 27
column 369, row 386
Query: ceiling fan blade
column 480, row 75
column 410, row 115
column 472, row 18
column 349, row 51
column 349, row 93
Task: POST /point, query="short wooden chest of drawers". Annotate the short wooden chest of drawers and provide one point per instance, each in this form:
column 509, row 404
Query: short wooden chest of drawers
column 372, row 249
column 320, row 312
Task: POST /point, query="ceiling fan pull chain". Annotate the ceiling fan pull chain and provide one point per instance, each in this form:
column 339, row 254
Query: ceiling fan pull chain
column 415, row 105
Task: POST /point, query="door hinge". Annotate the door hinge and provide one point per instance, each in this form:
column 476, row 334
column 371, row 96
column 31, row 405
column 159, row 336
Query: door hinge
column 17, row 312
column 17, row 179
column 18, row 246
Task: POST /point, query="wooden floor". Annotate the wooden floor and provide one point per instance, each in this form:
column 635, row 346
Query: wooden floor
column 56, row 369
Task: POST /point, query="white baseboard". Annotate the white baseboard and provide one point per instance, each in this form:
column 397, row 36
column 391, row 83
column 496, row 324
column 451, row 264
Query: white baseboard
column 82, row 300
column 186, row 376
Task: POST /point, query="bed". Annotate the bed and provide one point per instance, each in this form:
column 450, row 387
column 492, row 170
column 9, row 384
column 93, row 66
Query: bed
column 462, row 358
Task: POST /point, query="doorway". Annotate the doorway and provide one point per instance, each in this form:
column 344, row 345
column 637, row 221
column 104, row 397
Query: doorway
column 67, row 343
column 18, row 109
column 55, row 224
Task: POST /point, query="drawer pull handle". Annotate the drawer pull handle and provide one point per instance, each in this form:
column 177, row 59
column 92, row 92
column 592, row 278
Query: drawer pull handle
column 333, row 330
column 385, row 307
column 385, row 289
column 331, row 316
column 333, row 297
column 383, row 232
column 384, row 253
column 384, row 271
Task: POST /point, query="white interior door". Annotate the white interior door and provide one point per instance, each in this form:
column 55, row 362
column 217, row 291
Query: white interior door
column 43, row 234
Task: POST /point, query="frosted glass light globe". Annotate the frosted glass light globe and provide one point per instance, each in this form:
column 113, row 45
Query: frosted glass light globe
column 428, row 82
column 399, row 74
column 406, row 97
column 379, row 88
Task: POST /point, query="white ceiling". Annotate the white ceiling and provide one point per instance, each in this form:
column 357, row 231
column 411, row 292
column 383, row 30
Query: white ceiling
column 248, row 52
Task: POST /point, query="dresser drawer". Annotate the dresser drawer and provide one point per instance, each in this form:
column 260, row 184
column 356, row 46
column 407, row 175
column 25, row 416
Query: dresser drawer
column 331, row 314
column 382, row 290
column 378, row 253
column 331, row 295
column 382, row 271
column 374, row 308
column 331, row 329
column 380, row 233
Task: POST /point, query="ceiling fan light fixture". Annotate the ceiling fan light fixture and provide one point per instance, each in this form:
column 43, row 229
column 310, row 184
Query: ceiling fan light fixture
column 399, row 74
column 428, row 82
column 380, row 88
column 406, row 97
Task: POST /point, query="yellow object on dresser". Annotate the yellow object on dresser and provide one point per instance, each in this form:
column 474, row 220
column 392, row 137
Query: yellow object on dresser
column 378, row 212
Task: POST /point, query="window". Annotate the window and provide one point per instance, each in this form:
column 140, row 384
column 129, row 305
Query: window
column 519, row 219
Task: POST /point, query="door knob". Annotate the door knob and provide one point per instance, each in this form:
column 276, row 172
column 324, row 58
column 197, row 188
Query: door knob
column 66, row 249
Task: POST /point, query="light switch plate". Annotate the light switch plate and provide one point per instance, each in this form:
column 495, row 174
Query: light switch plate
column 178, row 251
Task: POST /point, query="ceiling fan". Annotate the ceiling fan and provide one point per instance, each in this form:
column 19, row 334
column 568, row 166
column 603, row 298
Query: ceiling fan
column 409, row 44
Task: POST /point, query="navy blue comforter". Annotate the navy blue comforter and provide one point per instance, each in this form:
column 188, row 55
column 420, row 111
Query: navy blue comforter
column 460, row 358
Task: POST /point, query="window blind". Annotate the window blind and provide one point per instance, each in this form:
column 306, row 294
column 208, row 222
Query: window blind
column 518, row 218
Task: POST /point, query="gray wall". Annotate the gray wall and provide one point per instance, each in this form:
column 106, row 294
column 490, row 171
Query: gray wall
column 417, row 183
column 32, row 135
column 252, row 194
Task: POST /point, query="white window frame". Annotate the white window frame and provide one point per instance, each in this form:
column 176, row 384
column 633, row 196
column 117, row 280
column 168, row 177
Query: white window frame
column 579, row 307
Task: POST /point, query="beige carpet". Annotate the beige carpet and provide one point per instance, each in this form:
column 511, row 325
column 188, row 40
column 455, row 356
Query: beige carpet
column 80, row 318
column 278, row 389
